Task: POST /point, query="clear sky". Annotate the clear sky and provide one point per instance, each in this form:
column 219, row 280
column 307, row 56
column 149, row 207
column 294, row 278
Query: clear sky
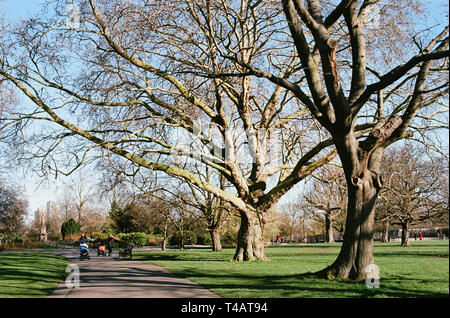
column 25, row 8
column 16, row 9
column 21, row 8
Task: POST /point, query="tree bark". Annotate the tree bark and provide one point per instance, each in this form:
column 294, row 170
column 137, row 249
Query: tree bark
column 329, row 238
column 405, row 235
column 250, row 240
column 215, row 239
column 357, row 249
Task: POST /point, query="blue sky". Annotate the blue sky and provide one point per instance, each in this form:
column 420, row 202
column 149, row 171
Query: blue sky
column 25, row 8
column 21, row 8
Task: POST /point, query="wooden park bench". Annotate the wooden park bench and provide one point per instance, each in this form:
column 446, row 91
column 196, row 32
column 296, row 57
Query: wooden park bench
column 127, row 251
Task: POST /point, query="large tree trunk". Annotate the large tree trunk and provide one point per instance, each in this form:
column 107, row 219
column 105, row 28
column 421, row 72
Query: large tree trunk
column 329, row 238
column 361, row 168
column 250, row 240
column 357, row 249
column 405, row 234
column 215, row 239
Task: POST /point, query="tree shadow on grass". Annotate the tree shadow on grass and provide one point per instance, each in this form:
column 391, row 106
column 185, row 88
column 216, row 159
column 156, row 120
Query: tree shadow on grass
column 325, row 246
column 159, row 256
column 389, row 287
column 8, row 291
column 306, row 285
column 30, row 275
column 442, row 254
column 301, row 285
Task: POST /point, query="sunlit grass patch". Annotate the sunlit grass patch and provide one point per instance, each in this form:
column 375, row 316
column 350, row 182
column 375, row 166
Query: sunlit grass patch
column 421, row 270
column 30, row 274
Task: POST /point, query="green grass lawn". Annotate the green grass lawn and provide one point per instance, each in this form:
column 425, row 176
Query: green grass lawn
column 421, row 270
column 30, row 274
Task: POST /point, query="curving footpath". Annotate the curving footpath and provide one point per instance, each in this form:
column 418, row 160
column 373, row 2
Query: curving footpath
column 111, row 277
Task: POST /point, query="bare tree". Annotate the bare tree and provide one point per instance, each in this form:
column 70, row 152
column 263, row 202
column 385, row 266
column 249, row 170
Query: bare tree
column 383, row 217
column 130, row 76
column 293, row 220
column 179, row 213
column 348, row 84
column 81, row 190
column 412, row 186
column 8, row 99
column 65, row 206
column 327, row 197
column 213, row 210
column 133, row 74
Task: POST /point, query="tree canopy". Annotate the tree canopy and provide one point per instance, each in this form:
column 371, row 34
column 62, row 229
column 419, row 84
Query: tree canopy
column 262, row 92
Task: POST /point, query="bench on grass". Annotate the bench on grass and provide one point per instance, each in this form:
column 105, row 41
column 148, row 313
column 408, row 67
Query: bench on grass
column 127, row 251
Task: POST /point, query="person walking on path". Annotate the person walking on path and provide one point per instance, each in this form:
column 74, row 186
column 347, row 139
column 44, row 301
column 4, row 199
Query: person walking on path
column 110, row 244
column 83, row 239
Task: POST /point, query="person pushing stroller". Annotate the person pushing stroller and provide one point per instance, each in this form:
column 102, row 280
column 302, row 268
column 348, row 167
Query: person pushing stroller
column 101, row 249
column 84, row 247
column 110, row 243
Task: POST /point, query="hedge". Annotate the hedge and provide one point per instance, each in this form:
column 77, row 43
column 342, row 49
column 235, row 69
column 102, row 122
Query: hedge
column 135, row 239
column 154, row 240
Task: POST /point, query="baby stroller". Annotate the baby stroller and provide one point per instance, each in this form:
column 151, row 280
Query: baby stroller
column 84, row 251
column 101, row 249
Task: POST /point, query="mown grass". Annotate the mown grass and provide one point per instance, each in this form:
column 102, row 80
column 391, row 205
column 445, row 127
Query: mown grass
column 30, row 274
column 421, row 270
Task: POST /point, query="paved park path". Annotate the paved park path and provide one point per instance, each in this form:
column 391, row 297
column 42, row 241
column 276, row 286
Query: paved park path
column 111, row 277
